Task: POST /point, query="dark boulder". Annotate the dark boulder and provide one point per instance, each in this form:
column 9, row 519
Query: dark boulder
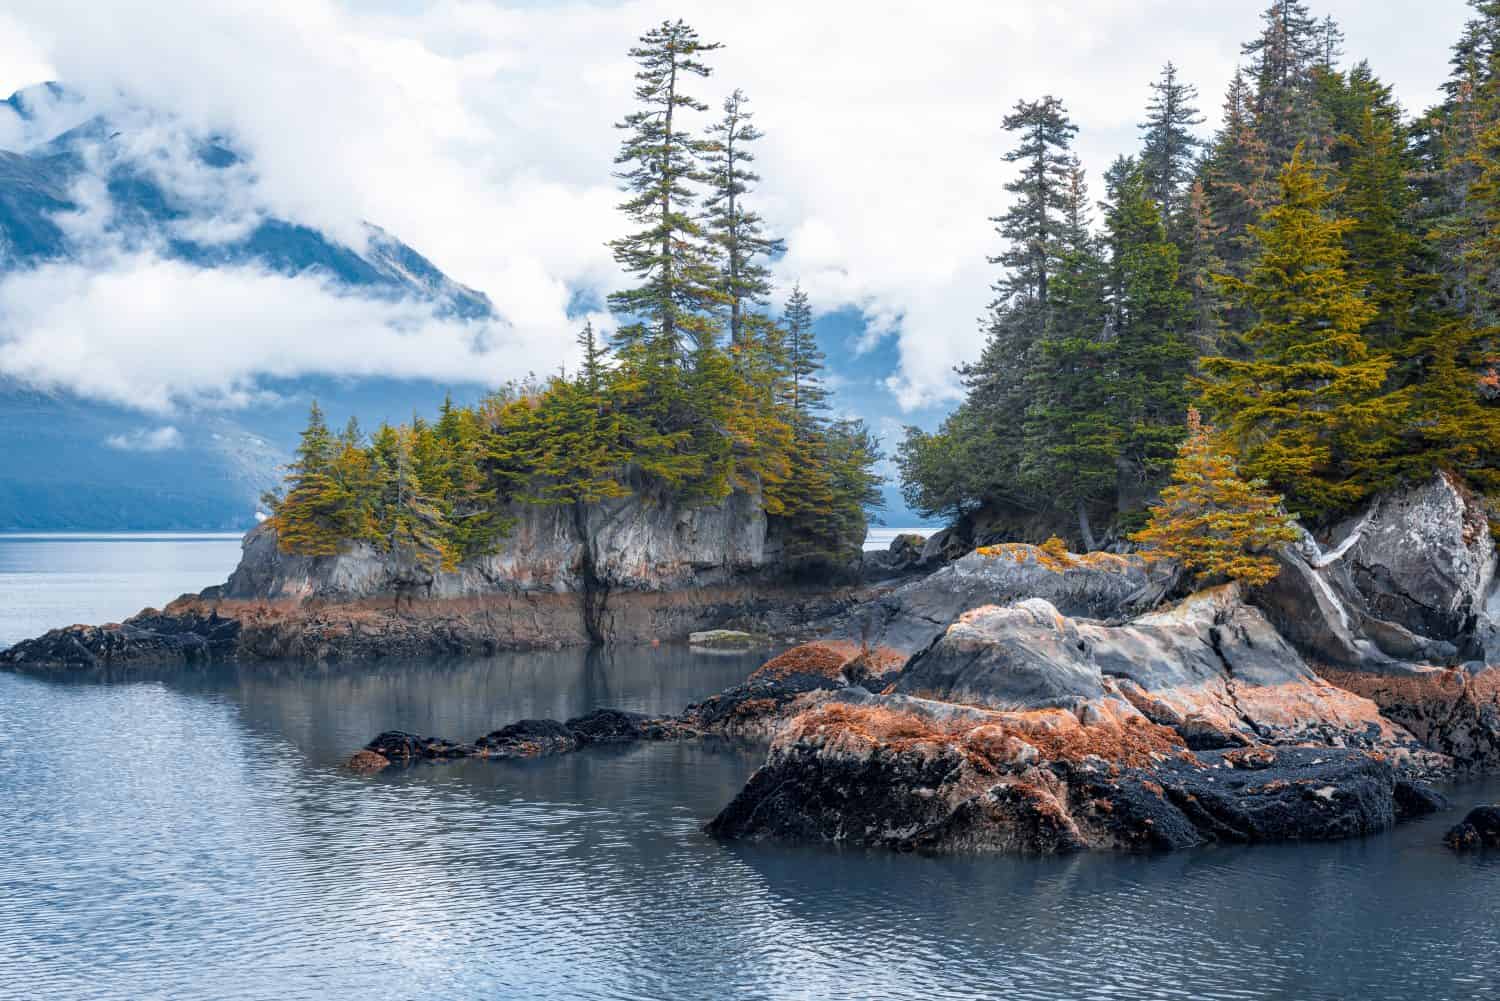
column 1479, row 830
column 404, row 748
column 184, row 634
column 528, row 738
column 909, row 774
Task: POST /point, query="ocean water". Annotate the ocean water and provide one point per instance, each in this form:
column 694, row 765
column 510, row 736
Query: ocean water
column 190, row 834
column 48, row 581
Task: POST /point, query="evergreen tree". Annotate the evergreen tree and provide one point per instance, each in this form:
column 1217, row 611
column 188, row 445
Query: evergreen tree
column 1282, row 63
column 315, row 516
column 410, row 523
column 1213, row 522
column 1238, row 181
column 593, row 364
column 804, row 385
column 1152, row 350
column 1306, row 411
column 1033, row 229
column 737, row 232
column 1069, row 438
column 1030, row 226
column 1200, row 264
column 1169, row 146
column 677, row 295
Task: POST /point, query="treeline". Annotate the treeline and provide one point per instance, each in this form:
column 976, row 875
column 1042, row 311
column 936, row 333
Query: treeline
column 1321, row 278
column 701, row 392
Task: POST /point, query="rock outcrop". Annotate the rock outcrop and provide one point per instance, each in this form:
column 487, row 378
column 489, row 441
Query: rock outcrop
column 909, row 618
column 631, row 570
column 787, row 684
column 907, row 774
column 1398, row 608
column 1022, row 729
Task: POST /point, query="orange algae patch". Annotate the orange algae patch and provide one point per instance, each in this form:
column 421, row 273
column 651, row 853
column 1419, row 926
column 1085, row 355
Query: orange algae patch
column 992, row 742
column 831, row 659
column 825, row 659
column 1053, row 555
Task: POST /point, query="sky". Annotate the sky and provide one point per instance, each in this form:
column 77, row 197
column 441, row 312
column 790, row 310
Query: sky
column 481, row 133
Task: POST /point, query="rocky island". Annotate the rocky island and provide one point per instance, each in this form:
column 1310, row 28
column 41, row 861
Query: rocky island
column 1017, row 698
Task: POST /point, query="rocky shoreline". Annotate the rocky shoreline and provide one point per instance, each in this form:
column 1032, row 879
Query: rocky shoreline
column 1015, row 699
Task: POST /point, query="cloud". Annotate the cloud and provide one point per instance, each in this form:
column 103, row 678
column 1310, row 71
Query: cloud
column 160, row 439
column 480, row 133
column 156, row 334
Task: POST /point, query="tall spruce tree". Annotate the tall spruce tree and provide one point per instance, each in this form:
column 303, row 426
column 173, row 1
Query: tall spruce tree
column 1030, row 226
column 1069, row 440
column 738, row 233
column 1152, row 348
column 1239, row 187
column 1283, row 59
column 1306, row 411
column 673, row 306
column 1170, row 147
column 314, row 516
column 807, row 396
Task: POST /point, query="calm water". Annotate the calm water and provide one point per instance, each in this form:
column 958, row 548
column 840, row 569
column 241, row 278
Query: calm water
column 192, row 836
column 47, row 581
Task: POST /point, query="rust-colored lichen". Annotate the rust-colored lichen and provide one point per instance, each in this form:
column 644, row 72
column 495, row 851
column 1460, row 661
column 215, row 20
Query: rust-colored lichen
column 824, row 659
column 990, row 742
column 1053, row 555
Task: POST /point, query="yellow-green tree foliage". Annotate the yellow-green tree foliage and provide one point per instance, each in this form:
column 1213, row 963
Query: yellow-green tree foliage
column 1212, row 521
column 1307, row 411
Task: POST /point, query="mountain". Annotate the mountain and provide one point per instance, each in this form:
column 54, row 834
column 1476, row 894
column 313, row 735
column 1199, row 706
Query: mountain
column 37, row 187
column 71, row 463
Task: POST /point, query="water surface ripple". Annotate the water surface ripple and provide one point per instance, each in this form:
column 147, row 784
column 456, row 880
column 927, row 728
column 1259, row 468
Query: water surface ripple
column 192, row 835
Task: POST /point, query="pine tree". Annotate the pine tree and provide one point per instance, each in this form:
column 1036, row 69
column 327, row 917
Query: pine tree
column 410, row 525
column 1200, row 263
column 1020, row 315
column 807, row 395
column 1238, row 181
column 1282, row 62
column 1169, row 146
column 316, row 515
column 1306, row 411
column 1384, row 249
column 1454, row 417
column 1069, row 440
column 1152, row 350
column 593, row 362
column 1213, row 522
column 677, row 297
column 737, row 232
column 1030, row 227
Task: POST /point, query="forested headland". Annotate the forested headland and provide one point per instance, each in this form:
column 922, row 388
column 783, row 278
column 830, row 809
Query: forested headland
column 702, row 390
column 1320, row 277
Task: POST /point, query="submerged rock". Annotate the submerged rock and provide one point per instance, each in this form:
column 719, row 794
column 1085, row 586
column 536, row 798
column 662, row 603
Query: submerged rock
column 1479, row 830
column 722, row 639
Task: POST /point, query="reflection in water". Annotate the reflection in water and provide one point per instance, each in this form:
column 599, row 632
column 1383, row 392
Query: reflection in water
column 192, row 836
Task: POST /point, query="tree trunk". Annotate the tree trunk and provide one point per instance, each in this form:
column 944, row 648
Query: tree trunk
column 1083, row 526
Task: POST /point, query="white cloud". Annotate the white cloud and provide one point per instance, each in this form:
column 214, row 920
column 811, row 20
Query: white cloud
column 481, row 134
column 160, row 439
column 154, row 334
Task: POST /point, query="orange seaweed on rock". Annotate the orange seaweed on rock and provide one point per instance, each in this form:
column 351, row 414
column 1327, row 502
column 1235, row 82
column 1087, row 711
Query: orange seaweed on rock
column 990, row 740
column 831, row 659
column 1054, row 555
